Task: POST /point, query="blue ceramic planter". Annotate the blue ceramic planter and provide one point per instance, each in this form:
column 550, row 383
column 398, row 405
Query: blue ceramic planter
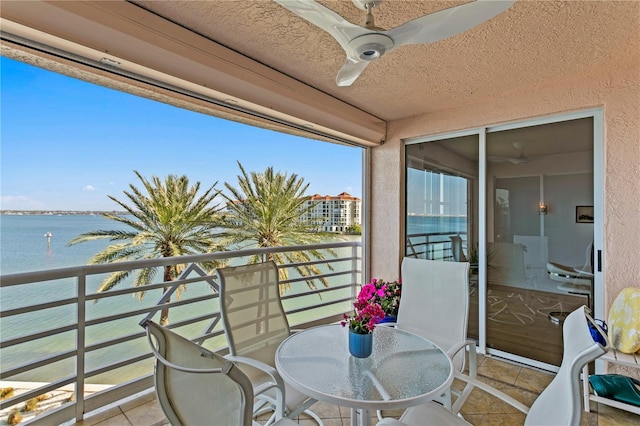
column 389, row 318
column 360, row 345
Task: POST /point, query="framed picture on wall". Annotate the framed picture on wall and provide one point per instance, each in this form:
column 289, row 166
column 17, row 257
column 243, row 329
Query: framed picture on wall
column 584, row 214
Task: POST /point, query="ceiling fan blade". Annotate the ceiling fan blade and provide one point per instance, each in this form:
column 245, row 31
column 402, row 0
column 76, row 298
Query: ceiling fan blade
column 496, row 159
column 350, row 72
column 513, row 160
column 339, row 28
column 446, row 23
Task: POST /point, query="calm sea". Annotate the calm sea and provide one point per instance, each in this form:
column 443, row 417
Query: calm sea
column 24, row 247
column 433, row 224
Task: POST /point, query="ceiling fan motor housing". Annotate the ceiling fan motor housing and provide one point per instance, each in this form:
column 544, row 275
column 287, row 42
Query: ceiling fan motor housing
column 362, row 4
column 370, row 46
column 363, row 44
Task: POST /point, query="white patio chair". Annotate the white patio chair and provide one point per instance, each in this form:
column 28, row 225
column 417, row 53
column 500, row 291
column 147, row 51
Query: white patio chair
column 558, row 404
column 255, row 324
column 435, row 305
column 197, row 387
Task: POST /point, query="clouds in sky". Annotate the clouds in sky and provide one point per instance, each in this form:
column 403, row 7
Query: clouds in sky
column 90, row 188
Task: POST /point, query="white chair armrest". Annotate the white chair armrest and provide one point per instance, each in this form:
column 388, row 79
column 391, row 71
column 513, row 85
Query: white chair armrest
column 473, row 362
column 266, row 368
column 456, row 348
column 276, row 382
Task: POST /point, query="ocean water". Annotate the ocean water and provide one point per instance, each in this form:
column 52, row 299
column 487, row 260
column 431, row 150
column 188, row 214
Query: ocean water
column 434, row 224
column 24, row 247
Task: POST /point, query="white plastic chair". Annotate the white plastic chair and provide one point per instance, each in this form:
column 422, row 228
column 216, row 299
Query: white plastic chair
column 558, row 404
column 435, row 305
column 255, row 324
column 197, row 387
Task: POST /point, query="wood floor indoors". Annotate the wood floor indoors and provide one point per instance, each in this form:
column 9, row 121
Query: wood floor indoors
column 518, row 321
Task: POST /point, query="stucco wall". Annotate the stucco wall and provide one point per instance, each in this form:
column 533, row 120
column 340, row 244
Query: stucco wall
column 615, row 88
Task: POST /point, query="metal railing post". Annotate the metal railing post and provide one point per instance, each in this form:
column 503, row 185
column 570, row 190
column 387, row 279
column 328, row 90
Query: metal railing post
column 80, row 346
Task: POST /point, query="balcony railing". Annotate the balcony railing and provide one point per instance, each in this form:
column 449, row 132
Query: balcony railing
column 59, row 333
column 433, row 245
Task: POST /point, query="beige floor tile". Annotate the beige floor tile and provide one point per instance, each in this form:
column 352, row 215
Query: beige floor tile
column 96, row 418
column 533, row 380
column 480, row 359
column 392, row 413
column 481, row 403
column 499, row 370
column 519, row 394
column 145, row 414
column 481, row 409
column 119, row 420
column 140, row 399
column 496, row 419
column 324, row 410
column 327, row 422
column 609, row 416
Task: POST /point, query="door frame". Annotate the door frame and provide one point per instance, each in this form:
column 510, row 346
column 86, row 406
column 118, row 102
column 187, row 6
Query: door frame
column 597, row 116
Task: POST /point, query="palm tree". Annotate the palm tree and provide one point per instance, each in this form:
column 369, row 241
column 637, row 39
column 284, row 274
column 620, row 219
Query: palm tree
column 170, row 220
column 268, row 210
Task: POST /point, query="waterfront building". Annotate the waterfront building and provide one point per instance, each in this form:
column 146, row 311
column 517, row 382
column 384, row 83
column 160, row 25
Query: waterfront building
column 336, row 213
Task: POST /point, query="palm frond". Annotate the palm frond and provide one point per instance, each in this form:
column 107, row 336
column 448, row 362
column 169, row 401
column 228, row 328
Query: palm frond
column 166, row 217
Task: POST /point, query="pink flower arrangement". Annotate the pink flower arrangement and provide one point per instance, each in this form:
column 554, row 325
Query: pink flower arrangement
column 368, row 307
column 388, row 295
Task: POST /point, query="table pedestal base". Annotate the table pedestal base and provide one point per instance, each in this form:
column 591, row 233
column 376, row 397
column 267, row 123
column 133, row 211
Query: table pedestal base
column 360, row 417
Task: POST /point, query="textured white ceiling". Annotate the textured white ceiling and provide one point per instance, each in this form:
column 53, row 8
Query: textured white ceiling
column 529, row 45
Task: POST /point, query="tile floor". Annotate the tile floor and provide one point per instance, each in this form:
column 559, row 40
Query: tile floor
column 482, row 409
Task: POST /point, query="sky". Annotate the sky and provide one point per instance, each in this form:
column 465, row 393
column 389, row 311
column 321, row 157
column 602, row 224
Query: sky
column 66, row 144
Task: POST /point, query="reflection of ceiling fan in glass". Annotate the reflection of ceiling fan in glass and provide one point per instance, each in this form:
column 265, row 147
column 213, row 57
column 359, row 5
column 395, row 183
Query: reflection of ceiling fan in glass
column 520, row 159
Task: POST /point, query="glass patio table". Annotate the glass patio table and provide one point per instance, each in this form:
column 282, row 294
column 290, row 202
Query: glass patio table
column 403, row 370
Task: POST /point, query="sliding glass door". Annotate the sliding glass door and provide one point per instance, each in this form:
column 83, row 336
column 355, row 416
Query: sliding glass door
column 535, row 233
column 441, row 206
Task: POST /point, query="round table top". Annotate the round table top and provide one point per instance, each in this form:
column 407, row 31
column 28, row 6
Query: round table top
column 403, row 370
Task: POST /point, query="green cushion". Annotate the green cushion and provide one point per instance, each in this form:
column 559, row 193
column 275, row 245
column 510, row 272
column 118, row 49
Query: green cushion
column 616, row 386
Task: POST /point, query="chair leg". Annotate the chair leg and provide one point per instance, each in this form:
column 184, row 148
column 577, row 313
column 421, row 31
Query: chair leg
column 473, row 372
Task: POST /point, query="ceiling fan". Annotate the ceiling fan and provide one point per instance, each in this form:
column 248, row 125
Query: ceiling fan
column 520, row 159
column 364, row 44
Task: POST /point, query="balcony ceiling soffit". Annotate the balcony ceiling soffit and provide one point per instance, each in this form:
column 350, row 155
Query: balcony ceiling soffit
column 532, row 44
column 527, row 46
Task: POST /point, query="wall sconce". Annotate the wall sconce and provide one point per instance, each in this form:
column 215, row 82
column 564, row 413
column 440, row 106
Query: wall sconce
column 542, row 208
